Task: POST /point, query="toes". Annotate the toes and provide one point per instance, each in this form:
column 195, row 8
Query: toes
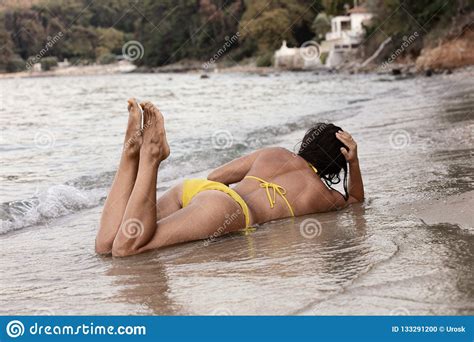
column 133, row 105
column 146, row 105
column 146, row 114
column 134, row 111
column 157, row 113
column 156, row 110
column 151, row 112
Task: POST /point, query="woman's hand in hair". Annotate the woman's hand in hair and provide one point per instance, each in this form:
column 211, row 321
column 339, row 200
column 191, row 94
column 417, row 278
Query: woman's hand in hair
column 356, row 186
column 350, row 153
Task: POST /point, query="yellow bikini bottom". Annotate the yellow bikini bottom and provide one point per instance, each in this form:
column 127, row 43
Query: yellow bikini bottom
column 191, row 187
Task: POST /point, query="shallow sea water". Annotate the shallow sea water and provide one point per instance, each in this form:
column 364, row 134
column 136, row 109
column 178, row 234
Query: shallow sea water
column 61, row 140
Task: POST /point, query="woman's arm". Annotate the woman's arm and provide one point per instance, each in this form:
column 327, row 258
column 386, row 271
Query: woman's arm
column 233, row 171
column 356, row 186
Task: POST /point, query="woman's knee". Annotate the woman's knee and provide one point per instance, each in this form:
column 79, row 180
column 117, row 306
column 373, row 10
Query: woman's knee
column 103, row 247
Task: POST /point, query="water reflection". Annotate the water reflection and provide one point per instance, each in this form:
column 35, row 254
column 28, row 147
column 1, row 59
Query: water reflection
column 322, row 265
column 142, row 280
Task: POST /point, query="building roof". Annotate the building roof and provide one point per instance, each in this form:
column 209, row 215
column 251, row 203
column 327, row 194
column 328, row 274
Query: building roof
column 341, row 18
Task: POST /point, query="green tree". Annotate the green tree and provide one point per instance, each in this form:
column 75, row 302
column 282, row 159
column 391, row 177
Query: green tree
column 26, row 30
column 268, row 24
column 335, row 7
column 269, row 29
column 110, row 39
column 169, row 37
column 80, row 42
column 321, row 25
column 6, row 46
column 185, row 29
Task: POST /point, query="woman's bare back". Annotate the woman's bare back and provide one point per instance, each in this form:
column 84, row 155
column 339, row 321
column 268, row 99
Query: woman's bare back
column 303, row 188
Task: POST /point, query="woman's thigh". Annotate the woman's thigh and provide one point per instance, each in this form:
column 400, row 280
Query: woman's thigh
column 210, row 213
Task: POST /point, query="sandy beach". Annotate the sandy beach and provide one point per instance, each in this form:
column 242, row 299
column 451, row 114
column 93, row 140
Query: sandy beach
column 76, row 70
column 452, row 210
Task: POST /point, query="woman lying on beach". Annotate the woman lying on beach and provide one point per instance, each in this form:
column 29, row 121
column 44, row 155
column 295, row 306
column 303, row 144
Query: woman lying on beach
column 269, row 184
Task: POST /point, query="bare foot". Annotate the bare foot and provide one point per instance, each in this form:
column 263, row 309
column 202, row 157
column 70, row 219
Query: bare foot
column 133, row 135
column 154, row 134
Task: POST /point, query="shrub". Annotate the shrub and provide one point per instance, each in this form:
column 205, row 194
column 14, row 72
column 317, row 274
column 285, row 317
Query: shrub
column 107, row 58
column 47, row 63
column 323, row 57
column 265, row 60
column 15, row 64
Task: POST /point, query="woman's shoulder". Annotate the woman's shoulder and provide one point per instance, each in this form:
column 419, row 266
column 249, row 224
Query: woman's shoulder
column 281, row 155
column 276, row 151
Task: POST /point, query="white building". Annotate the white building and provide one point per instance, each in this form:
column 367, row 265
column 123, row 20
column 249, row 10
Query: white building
column 64, row 64
column 36, row 67
column 347, row 31
column 304, row 57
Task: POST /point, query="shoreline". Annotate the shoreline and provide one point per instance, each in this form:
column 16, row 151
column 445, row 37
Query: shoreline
column 83, row 70
column 399, row 70
column 442, row 59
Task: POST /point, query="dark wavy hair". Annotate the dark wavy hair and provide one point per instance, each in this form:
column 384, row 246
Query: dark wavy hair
column 322, row 149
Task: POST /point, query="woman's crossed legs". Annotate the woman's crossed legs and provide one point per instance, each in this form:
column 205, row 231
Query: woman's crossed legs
column 132, row 220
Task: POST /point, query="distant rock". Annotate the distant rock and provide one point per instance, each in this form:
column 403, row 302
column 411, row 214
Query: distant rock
column 396, row 71
column 454, row 52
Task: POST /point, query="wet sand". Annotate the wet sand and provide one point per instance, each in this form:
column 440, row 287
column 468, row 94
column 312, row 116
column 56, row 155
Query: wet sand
column 346, row 266
column 452, row 210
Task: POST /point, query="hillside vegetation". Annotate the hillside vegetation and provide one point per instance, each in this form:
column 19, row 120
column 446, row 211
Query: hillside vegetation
column 175, row 30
